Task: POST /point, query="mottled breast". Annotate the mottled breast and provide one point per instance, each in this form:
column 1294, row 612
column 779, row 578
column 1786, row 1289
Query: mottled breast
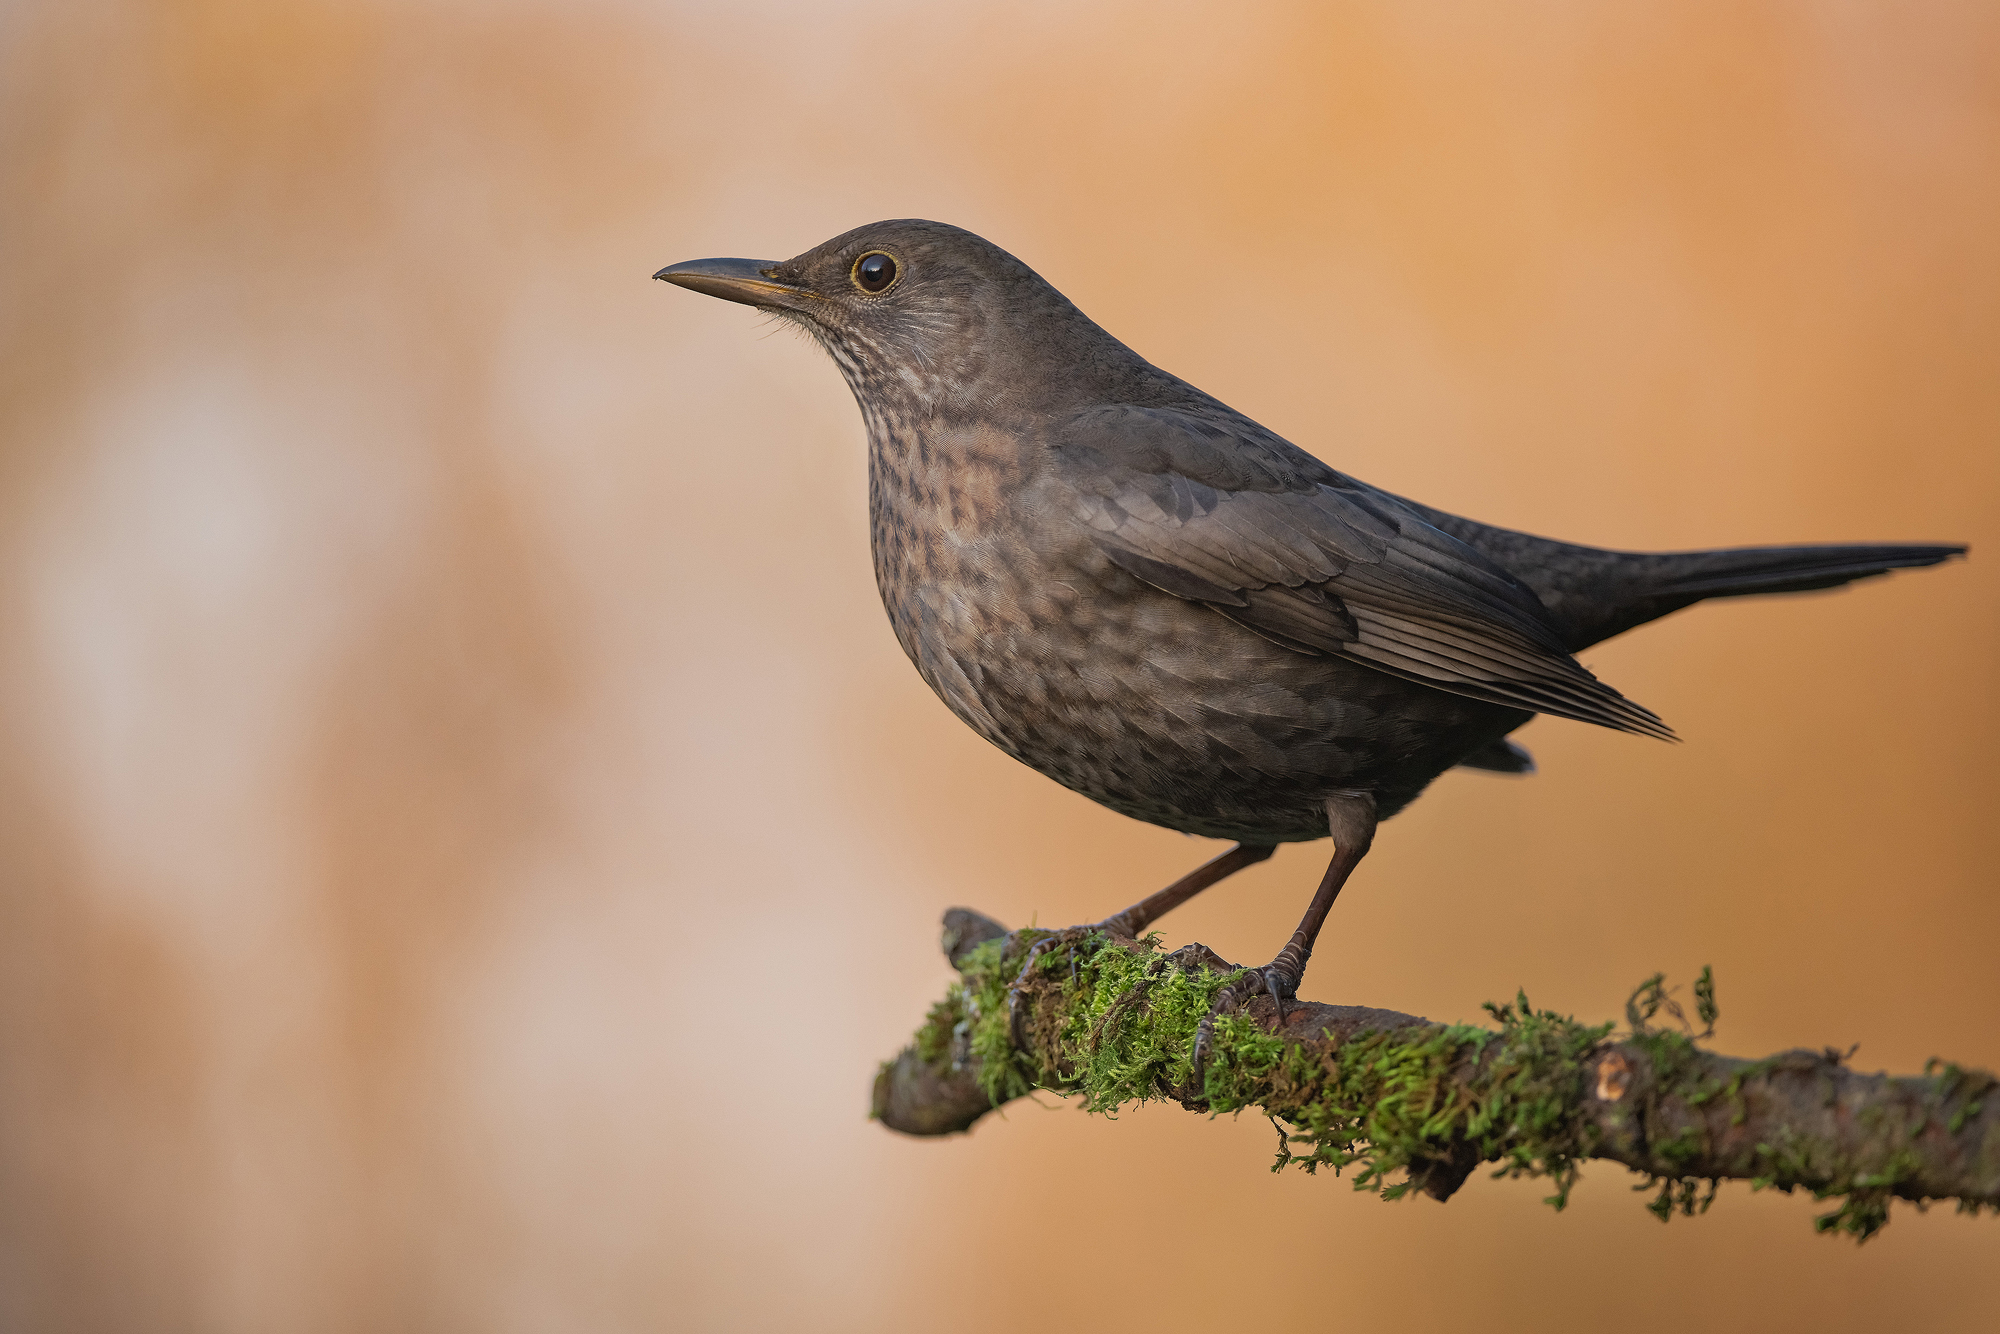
column 1156, row 707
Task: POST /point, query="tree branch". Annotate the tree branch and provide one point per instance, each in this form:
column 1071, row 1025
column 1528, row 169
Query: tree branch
column 1415, row 1105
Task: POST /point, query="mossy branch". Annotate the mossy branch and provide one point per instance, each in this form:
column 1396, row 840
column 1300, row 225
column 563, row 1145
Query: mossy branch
column 1410, row 1104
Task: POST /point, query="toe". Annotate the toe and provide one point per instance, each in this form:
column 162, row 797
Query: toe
column 1280, row 985
column 1230, row 998
column 1017, row 1012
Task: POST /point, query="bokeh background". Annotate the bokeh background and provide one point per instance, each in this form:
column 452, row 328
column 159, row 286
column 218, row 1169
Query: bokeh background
column 467, row 833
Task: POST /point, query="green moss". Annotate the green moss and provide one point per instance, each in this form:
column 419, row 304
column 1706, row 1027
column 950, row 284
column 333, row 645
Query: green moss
column 1864, row 1198
column 1968, row 1088
column 1678, row 1194
column 1398, row 1107
column 985, row 976
column 1705, row 1007
column 1384, row 1102
column 941, row 1025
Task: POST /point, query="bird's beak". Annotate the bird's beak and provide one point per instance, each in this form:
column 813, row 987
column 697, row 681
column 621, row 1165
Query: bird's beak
column 745, row 280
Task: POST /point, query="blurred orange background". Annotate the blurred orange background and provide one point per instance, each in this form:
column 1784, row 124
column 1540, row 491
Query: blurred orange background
column 469, row 833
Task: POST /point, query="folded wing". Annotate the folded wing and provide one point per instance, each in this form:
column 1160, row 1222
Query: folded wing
column 1220, row 512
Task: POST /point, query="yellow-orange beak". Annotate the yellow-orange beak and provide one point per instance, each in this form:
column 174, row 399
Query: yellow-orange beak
column 744, row 280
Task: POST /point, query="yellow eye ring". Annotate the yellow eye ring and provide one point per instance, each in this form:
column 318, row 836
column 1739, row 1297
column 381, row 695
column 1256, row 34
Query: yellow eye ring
column 875, row 272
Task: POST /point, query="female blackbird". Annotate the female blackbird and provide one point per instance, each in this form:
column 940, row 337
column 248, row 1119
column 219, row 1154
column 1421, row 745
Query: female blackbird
column 1145, row 595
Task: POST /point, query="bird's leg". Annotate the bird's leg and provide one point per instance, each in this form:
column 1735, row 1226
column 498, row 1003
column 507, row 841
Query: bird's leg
column 1154, row 906
column 1350, row 819
column 1137, row 917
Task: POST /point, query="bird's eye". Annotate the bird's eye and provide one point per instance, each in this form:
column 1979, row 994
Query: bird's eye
column 874, row 272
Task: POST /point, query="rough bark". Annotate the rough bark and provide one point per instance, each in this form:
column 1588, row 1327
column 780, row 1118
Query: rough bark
column 1413, row 1104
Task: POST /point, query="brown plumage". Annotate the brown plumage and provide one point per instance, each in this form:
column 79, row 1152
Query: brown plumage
column 1145, row 595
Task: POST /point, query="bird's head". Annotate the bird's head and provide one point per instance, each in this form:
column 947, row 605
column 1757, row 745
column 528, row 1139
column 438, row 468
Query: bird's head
column 917, row 314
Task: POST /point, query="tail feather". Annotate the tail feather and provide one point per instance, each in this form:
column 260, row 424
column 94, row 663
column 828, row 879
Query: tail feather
column 1596, row 599
column 1593, row 594
column 1744, row 570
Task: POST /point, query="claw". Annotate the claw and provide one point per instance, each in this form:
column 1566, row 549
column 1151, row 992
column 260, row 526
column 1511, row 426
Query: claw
column 1229, row 998
column 1014, row 1031
column 1272, row 980
column 1200, row 1057
column 1274, row 988
column 1066, row 936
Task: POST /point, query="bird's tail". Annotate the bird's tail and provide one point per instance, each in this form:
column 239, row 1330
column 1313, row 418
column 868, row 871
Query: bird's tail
column 1740, row 570
column 1655, row 585
column 1593, row 594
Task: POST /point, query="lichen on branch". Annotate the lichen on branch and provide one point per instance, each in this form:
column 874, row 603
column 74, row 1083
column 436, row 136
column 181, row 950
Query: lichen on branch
column 1405, row 1104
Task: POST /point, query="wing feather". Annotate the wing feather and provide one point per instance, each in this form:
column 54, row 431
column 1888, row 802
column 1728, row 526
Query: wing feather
column 1223, row 513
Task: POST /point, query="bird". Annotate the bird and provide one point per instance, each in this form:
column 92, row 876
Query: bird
column 1145, row 595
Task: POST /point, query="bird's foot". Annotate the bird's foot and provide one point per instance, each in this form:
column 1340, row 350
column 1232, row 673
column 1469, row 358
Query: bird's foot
column 1278, row 979
column 1066, row 939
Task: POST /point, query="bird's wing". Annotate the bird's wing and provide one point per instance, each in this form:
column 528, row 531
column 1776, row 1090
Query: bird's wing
column 1220, row 512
